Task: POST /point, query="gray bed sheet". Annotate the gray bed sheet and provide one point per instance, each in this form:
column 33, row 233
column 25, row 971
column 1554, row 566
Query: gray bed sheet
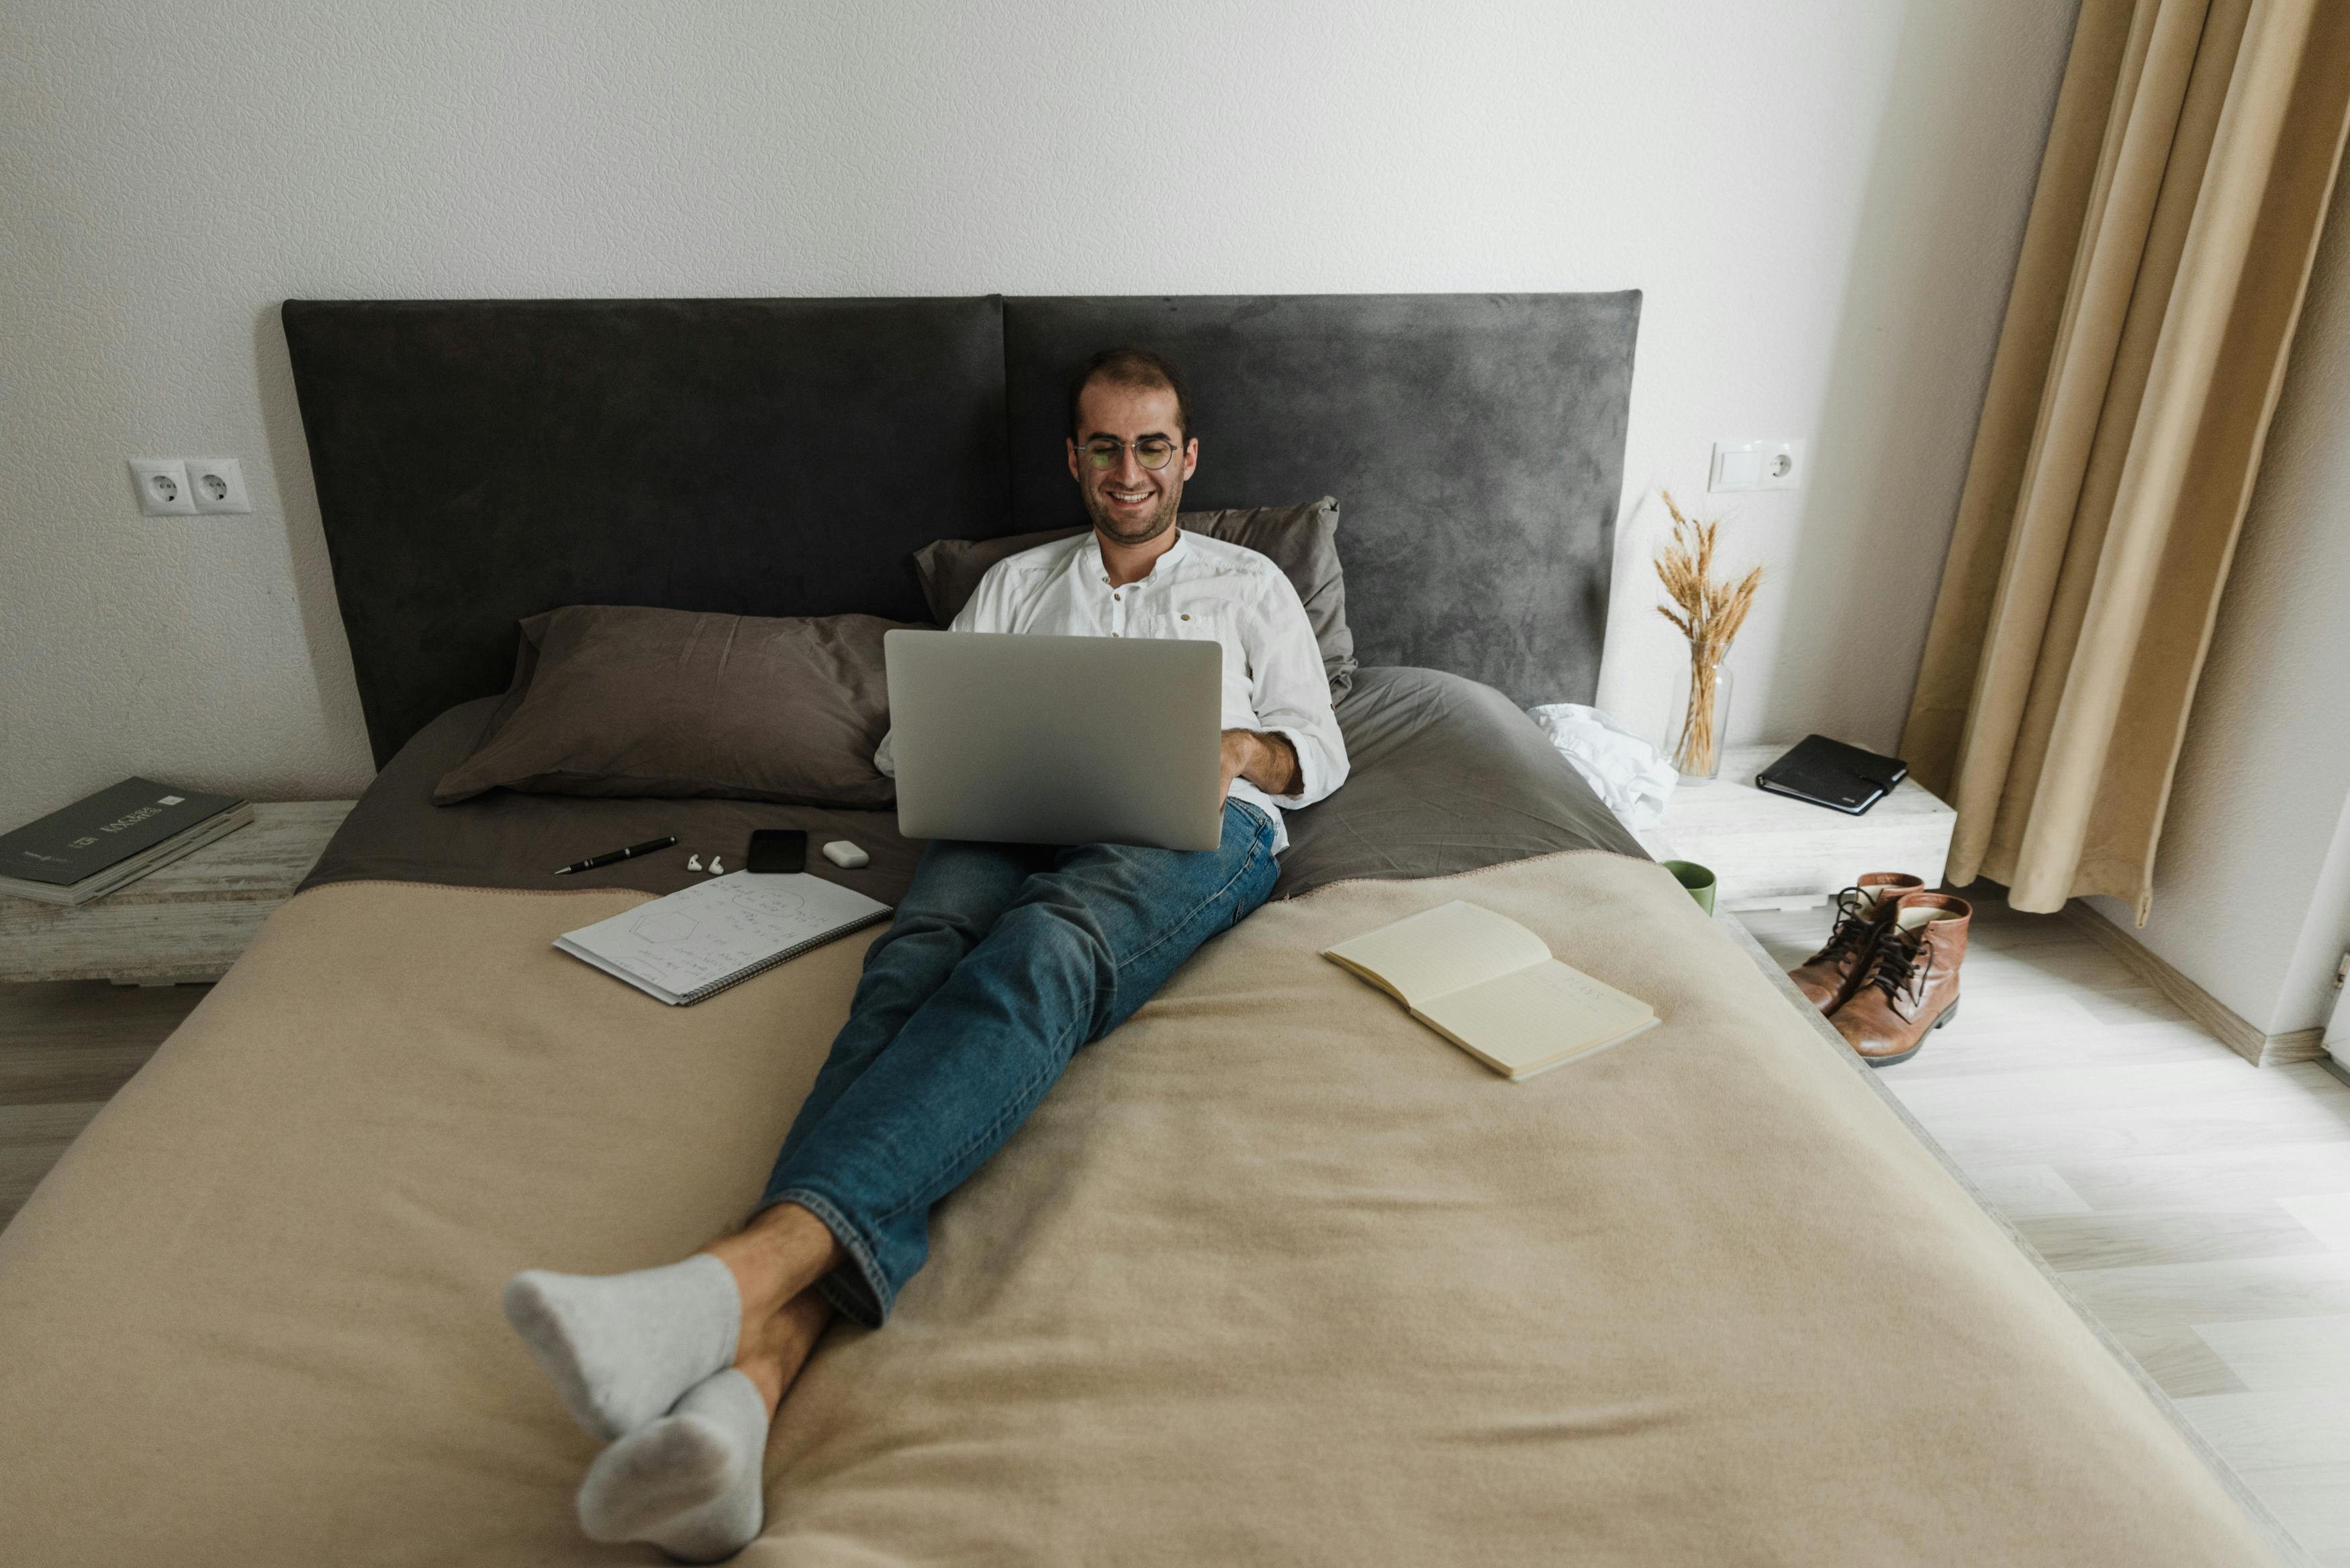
column 1448, row 776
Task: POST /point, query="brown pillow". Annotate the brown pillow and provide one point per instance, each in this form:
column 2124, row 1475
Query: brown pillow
column 1301, row 540
column 611, row 700
column 951, row 569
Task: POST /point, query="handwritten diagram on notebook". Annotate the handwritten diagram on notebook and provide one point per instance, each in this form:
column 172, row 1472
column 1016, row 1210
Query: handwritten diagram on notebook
column 1490, row 986
column 699, row 941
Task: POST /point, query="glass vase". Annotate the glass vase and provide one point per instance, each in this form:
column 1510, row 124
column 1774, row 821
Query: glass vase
column 1700, row 720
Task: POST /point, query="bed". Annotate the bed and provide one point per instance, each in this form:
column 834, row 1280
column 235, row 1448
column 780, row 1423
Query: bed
column 1274, row 1276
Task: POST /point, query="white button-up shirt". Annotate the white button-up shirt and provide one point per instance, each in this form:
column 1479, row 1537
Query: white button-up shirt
column 1202, row 587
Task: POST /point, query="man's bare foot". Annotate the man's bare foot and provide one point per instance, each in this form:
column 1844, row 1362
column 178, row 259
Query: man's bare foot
column 772, row 1357
column 776, row 1257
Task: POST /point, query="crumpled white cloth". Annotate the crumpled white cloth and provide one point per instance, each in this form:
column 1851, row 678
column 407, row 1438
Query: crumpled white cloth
column 1628, row 773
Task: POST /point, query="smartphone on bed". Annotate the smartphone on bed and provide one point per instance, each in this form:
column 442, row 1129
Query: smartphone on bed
column 777, row 849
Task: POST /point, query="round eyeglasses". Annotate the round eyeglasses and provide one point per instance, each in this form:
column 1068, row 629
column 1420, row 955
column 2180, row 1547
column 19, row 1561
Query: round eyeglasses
column 1151, row 451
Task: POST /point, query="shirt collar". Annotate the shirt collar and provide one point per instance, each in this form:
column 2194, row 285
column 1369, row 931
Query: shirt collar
column 1100, row 573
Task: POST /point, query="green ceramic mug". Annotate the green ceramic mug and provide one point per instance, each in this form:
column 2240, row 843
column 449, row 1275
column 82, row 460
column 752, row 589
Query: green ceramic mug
column 1697, row 878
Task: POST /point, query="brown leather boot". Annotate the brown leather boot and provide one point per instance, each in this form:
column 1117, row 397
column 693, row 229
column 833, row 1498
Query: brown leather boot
column 1910, row 983
column 1828, row 977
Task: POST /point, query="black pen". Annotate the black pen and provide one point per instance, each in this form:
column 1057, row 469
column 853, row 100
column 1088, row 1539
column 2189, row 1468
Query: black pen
column 647, row 847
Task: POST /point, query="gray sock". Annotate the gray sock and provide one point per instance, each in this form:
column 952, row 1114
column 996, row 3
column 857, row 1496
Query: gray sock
column 622, row 1348
column 690, row 1483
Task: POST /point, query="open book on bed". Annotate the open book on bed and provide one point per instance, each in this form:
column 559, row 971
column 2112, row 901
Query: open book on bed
column 1490, row 986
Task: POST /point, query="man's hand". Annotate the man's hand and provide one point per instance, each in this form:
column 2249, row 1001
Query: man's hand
column 1268, row 762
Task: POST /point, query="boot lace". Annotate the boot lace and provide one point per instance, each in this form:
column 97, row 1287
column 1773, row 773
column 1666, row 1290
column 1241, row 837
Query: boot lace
column 1895, row 965
column 1854, row 924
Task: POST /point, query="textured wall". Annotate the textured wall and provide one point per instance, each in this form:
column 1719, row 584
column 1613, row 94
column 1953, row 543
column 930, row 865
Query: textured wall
column 2251, row 884
column 1822, row 199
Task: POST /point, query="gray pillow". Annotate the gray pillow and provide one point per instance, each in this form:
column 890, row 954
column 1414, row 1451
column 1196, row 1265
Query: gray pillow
column 1302, row 540
column 613, row 700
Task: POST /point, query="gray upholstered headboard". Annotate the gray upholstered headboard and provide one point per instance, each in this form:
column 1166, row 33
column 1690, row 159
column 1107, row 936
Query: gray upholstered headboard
column 478, row 461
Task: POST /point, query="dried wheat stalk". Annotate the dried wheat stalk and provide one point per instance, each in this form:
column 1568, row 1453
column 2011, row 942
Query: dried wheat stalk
column 1711, row 614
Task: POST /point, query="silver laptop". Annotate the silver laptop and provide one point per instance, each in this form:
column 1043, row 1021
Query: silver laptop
column 1057, row 740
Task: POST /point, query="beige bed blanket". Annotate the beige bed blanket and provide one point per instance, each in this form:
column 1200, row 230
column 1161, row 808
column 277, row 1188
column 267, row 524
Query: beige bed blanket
column 1274, row 1276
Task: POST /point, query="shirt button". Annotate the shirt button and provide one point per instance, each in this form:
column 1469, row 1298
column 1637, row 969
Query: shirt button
column 1113, row 598
column 1118, row 634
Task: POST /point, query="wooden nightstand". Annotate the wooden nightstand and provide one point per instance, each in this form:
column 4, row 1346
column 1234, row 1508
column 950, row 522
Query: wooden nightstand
column 1773, row 853
column 187, row 921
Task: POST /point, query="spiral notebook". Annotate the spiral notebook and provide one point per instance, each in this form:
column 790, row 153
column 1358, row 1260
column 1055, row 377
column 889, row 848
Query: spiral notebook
column 697, row 942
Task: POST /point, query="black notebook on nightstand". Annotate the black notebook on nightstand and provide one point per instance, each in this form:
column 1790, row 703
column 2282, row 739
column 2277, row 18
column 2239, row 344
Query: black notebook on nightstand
column 1833, row 775
column 115, row 837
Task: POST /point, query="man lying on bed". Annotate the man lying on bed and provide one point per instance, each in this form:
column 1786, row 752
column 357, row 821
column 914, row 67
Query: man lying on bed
column 1001, row 961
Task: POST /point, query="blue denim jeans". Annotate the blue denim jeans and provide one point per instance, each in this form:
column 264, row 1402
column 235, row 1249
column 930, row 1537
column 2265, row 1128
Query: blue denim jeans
column 1001, row 962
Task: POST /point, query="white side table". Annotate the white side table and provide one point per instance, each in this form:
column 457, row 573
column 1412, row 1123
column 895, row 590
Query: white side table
column 185, row 921
column 1773, row 853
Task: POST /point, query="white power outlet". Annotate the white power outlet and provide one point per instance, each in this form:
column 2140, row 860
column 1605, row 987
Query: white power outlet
column 163, row 486
column 184, row 487
column 1783, row 466
column 218, row 484
column 1757, row 465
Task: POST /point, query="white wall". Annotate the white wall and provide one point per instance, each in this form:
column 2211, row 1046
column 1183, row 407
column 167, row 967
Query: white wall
column 2308, row 996
column 2251, row 882
column 1822, row 200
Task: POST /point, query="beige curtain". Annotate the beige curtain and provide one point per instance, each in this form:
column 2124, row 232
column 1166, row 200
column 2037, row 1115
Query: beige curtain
column 2187, row 170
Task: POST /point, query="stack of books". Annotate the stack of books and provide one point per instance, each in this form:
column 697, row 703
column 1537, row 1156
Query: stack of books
column 113, row 838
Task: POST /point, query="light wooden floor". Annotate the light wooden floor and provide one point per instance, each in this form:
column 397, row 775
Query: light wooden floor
column 2199, row 1205
column 65, row 1048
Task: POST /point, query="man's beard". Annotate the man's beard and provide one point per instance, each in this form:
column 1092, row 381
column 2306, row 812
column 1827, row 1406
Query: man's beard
column 1170, row 500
